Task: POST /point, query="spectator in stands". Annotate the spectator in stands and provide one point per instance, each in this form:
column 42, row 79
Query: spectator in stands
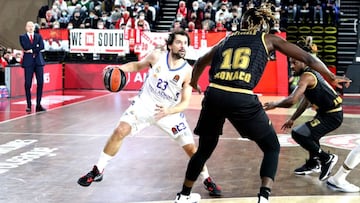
column 148, row 14
column 179, row 20
column 156, row 5
column 49, row 19
column 233, row 23
column 105, row 19
column 76, row 20
column 141, row 23
column 223, row 11
column 191, row 26
column 127, row 20
column 100, row 25
column 96, row 7
column 7, row 56
column 115, row 14
column 107, row 5
column 210, row 9
column 72, row 3
column 202, row 4
column 17, row 59
column 55, row 11
column 332, row 13
column 70, row 26
column 64, row 19
column 207, row 23
column 91, row 20
column 85, row 4
column 56, row 25
column 182, row 9
column 196, row 15
column 62, row 4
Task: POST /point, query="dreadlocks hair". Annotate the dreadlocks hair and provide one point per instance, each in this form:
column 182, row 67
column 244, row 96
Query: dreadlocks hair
column 307, row 44
column 259, row 19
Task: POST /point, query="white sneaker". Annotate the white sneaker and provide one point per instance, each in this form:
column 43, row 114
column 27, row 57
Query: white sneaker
column 263, row 200
column 344, row 186
column 192, row 198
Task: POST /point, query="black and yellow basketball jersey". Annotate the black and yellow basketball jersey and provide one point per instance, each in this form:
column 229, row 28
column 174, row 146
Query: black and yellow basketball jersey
column 240, row 60
column 322, row 95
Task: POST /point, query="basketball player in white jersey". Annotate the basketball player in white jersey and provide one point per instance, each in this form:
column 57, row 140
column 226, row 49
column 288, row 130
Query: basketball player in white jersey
column 163, row 97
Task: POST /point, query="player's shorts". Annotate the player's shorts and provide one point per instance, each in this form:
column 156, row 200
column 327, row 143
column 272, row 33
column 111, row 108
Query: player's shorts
column 140, row 115
column 244, row 111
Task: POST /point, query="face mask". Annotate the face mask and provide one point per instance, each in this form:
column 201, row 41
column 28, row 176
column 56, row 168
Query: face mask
column 195, row 8
column 234, row 28
column 101, row 27
column 64, row 14
column 54, row 7
column 141, row 17
column 92, row 16
column 56, row 26
column 179, row 18
column 104, row 18
column 70, row 27
column 221, row 18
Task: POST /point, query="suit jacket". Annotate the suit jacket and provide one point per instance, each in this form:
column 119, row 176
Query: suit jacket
column 35, row 58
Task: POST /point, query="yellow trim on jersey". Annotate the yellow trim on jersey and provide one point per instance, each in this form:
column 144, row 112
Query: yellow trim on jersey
column 316, row 80
column 334, row 110
column 263, row 41
column 231, row 89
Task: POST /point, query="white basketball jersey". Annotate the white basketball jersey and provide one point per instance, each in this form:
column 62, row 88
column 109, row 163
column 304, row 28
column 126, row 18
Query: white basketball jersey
column 163, row 85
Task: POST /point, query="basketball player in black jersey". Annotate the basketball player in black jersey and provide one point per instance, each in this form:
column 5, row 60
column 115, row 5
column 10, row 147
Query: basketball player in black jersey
column 237, row 64
column 313, row 91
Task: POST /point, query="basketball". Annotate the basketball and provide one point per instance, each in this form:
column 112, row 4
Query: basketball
column 114, row 79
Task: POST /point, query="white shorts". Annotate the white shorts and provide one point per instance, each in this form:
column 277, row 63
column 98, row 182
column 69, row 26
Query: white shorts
column 140, row 115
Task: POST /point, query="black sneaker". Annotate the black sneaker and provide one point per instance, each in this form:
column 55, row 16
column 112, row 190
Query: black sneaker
column 213, row 189
column 93, row 175
column 312, row 165
column 327, row 166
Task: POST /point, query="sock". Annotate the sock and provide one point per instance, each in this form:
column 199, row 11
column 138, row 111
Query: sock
column 204, row 175
column 104, row 159
column 185, row 190
column 341, row 174
column 265, row 192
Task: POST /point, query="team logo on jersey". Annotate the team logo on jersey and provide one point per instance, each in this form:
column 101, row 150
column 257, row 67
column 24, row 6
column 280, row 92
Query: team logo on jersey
column 176, row 78
column 174, row 130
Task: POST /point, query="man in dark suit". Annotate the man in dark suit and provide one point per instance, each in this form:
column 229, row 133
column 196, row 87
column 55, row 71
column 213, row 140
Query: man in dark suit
column 33, row 62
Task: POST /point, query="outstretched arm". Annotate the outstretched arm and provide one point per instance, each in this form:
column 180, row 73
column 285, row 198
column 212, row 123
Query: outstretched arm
column 291, row 50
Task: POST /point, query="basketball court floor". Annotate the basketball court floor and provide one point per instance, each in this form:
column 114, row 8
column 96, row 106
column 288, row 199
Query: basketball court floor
column 42, row 155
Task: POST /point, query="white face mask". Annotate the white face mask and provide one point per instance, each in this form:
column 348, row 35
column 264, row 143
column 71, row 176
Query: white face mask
column 70, row 27
column 56, row 26
column 141, row 17
column 101, row 27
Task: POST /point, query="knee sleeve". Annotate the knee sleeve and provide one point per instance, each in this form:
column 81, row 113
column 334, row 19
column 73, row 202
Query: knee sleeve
column 303, row 137
column 207, row 144
column 270, row 146
column 353, row 159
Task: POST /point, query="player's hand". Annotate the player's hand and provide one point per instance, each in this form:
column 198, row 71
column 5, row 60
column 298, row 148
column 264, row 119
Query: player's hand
column 288, row 124
column 196, row 86
column 161, row 112
column 341, row 81
column 269, row 106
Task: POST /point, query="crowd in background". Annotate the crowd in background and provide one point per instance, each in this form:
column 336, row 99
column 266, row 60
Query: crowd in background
column 210, row 15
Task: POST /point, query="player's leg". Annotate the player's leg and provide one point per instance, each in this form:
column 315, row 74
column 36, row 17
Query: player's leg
column 338, row 182
column 129, row 123
column 177, row 128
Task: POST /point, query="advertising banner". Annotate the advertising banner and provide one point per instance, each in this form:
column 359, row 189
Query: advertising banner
column 53, row 79
column 98, row 41
column 55, row 39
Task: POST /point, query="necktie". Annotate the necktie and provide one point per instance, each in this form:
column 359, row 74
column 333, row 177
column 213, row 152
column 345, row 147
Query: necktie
column 31, row 38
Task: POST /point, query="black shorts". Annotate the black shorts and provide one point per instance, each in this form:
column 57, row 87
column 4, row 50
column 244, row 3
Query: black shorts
column 324, row 123
column 244, row 111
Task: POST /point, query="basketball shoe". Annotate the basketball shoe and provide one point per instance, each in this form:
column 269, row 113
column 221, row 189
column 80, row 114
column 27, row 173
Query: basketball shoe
column 93, row 175
column 311, row 165
column 326, row 166
column 213, row 189
column 192, row 198
column 262, row 199
column 343, row 186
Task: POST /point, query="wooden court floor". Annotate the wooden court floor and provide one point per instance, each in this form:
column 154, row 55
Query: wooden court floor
column 43, row 154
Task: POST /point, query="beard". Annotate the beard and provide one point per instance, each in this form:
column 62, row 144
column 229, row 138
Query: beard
column 178, row 55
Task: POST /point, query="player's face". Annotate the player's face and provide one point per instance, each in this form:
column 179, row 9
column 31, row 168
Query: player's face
column 296, row 66
column 178, row 47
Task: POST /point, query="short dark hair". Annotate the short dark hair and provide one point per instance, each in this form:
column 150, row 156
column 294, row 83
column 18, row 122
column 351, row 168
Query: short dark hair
column 172, row 35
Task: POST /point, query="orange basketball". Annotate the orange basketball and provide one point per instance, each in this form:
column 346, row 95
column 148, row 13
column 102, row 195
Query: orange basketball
column 114, row 79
